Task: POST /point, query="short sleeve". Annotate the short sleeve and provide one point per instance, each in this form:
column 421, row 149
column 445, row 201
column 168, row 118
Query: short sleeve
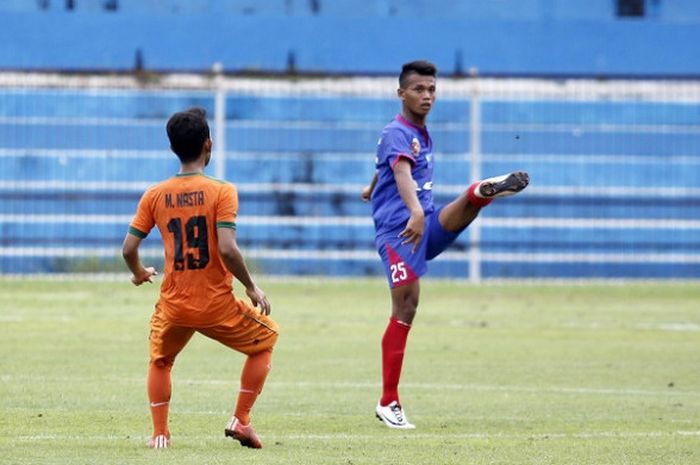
column 393, row 146
column 143, row 220
column 227, row 207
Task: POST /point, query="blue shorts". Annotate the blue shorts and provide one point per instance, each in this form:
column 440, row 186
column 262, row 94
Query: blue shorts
column 401, row 265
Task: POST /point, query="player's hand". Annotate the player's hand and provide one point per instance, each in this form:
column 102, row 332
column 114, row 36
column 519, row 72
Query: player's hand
column 366, row 193
column 258, row 298
column 413, row 232
column 146, row 276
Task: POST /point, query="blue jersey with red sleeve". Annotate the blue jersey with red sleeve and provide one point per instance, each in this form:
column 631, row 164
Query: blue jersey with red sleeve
column 401, row 140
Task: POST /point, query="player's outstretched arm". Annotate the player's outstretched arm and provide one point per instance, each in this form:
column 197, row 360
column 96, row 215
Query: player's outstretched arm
column 130, row 252
column 233, row 259
column 367, row 190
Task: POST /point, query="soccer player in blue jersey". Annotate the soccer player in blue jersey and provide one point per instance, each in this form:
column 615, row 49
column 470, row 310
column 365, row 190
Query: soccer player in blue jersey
column 410, row 230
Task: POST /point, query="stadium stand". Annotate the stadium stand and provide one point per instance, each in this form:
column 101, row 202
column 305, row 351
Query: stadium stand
column 73, row 164
column 616, row 186
column 506, row 37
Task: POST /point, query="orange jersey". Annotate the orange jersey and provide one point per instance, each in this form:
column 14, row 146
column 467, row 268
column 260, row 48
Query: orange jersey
column 188, row 209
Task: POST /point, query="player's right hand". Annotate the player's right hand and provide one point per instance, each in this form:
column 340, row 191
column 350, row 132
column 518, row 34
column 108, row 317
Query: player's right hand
column 259, row 299
column 146, row 276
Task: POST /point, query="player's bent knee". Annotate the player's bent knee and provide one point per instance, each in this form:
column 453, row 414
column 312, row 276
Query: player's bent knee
column 163, row 363
column 259, row 344
column 406, row 315
column 271, row 341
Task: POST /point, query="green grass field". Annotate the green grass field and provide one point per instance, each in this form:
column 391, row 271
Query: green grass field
column 494, row 374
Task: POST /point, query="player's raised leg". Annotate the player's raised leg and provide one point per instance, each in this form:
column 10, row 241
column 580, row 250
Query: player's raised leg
column 459, row 213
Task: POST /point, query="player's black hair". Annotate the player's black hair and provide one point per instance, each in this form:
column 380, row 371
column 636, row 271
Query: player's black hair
column 422, row 67
column 187, row 131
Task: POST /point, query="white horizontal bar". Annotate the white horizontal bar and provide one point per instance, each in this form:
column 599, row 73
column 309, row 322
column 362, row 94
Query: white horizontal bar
column 359, row 255
column 31, row 186
column 614, row 191
column 590, row 223
column 361, row 221
column 305, row 188
column 80, row 121
column 498, row 89
column 62, row 154
column 233, row 156
column 74, row 252
column 590, row 159
column 574, row 129
column 22, row 218
column 644, row 258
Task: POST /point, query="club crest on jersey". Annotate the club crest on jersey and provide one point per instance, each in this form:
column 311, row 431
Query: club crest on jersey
column 415, row 146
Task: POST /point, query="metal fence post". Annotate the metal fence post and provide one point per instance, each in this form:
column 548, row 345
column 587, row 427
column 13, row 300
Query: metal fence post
column 475, row 171
column 219, row 122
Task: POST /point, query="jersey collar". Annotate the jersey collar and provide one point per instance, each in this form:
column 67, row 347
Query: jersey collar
column 423, row 131
column 191, row 173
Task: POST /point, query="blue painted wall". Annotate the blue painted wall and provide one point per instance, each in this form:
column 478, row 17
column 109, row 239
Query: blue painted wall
column 343, row 36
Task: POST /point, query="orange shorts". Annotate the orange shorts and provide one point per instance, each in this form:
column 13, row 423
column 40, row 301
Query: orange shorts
column 245, row 330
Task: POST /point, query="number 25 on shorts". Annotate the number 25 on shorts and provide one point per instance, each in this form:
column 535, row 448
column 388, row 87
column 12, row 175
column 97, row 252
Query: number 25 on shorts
column 398, row 272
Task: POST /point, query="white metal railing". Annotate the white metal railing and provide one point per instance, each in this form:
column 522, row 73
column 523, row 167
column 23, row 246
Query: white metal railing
column 474, row 91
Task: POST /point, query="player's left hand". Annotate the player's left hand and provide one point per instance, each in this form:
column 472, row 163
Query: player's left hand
column 146, row 276
column 366, row 193
column 259, row 299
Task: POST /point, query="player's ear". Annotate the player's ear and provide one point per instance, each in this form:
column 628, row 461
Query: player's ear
column 400, row 93
column 208, row 145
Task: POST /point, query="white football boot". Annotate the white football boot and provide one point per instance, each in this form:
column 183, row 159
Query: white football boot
column 502, row 186
column 393, row 416
column 160, row 441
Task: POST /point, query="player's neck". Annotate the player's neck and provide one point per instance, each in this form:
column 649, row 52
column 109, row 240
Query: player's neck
column 196, row 166
column 413, row 118
column 193, row 167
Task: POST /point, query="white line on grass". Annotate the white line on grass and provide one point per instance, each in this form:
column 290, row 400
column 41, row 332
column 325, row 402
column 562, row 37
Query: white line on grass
column 488, row 387
column 667, row 327
column 497, row 435
column 398, row 435
column 374, row 385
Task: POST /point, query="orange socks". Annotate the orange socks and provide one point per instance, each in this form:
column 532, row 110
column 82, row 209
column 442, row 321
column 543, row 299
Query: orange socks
column 159, row 396
column 253, row 376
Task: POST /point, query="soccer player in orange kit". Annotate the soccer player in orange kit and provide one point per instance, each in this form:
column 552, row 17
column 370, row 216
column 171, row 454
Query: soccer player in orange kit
column 196, row 216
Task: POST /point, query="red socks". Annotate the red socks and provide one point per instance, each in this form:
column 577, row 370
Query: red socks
column 474, row 199
column 393, row 348
column 253, row 376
